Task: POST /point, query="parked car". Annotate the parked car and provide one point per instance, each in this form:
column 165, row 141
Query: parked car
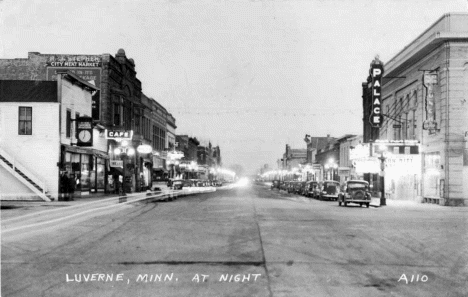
column 284, row 185
column 355, row 191
column 177, row 184
column 330, row 190
column 311, row 189
column 290, row 187
column 299, row 188
column 275, row 184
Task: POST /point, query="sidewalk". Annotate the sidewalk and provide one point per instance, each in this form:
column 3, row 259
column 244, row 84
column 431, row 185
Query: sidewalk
column 375, row 202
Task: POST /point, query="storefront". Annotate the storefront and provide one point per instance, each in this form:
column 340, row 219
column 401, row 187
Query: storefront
column 401, row 168
column 433, row 183
column 87, row 167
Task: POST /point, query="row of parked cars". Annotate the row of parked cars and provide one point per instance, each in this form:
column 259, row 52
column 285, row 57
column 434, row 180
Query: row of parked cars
column 352, row 191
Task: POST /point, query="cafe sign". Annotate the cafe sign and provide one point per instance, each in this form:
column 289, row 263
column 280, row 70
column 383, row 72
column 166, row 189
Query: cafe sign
column 119, row 135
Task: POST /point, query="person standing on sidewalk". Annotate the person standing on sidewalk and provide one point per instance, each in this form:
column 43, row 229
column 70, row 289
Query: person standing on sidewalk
column 71, row 188
column 64, row 186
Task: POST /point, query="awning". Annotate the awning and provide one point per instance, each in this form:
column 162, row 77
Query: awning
column 88, row 151
column 115, row 171
column 159, row 169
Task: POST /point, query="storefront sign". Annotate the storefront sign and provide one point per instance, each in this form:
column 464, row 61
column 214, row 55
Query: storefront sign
column 376, row 117
column 316, row 167
column 343, row 171
column 429, row 81
column 119, row 134
column 116, row 163
column 175, row 155
column 359, row 151
column 74, row 61
column 367, row 165
column 144, row 149
column 91, row 75
column 84, row 131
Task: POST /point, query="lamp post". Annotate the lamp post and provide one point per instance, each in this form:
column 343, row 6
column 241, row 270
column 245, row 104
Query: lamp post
column 331, row 166
column 383, row 200
column 124, row 151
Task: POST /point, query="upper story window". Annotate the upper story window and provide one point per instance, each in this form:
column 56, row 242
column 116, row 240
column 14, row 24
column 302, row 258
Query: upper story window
column 117, row 114
column 25, row 120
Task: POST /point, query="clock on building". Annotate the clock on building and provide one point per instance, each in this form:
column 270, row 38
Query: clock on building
column 84, row 136
column 84, row 131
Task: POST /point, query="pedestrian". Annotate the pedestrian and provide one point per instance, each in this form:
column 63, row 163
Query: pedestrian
column 64, row 186
column 71, row 188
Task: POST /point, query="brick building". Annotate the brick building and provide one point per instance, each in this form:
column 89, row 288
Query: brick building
column 119, row 105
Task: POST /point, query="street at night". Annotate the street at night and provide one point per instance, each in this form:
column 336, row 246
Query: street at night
column 234, row 148
column 241, row 241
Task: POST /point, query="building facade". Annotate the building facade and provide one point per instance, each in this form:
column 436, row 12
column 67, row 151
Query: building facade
column 118, row 105
column 428, row 102
column 44, row 115
column 425, row 117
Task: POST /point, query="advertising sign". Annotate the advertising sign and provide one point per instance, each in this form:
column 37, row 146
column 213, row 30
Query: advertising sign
column 84, row 131
column 74, row 61
column 429, row 80
column 86, row 67
column 119, row 135
column 116, row 163
column 376, row 117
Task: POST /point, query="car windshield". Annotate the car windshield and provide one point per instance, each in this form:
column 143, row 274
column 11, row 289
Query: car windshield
column 356, row 186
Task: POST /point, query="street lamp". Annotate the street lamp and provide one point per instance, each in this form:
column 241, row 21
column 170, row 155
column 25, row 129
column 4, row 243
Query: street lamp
column 382, row 149
column 124, row 151
column 331, row 166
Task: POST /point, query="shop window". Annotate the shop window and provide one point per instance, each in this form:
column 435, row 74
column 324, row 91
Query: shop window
column 25, row 120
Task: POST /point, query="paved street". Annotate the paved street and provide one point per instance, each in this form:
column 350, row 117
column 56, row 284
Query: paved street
column 244, row 241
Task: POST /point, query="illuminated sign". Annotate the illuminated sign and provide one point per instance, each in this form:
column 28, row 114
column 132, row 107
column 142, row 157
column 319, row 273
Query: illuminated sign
column 119, row 135
column 174, row 155
column 376, row 117
column 144, row 149
column 429, row 80
column 360, row 151
column 116, row 163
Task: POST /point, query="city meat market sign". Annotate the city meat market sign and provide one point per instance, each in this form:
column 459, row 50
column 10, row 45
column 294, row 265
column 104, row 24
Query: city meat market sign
column 74, row 61
column 119, row 135
column 376, row 74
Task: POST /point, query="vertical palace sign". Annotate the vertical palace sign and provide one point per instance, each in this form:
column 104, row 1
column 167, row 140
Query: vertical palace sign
column 429, row 81
column 376, row 117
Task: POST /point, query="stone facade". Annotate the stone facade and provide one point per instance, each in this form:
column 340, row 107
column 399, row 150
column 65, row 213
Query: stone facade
column 442, row 52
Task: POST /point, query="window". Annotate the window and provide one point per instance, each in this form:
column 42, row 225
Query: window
column 116, row 114
column 77, row 115
column 25, row 121
column 405, row 126
column 68, row 124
